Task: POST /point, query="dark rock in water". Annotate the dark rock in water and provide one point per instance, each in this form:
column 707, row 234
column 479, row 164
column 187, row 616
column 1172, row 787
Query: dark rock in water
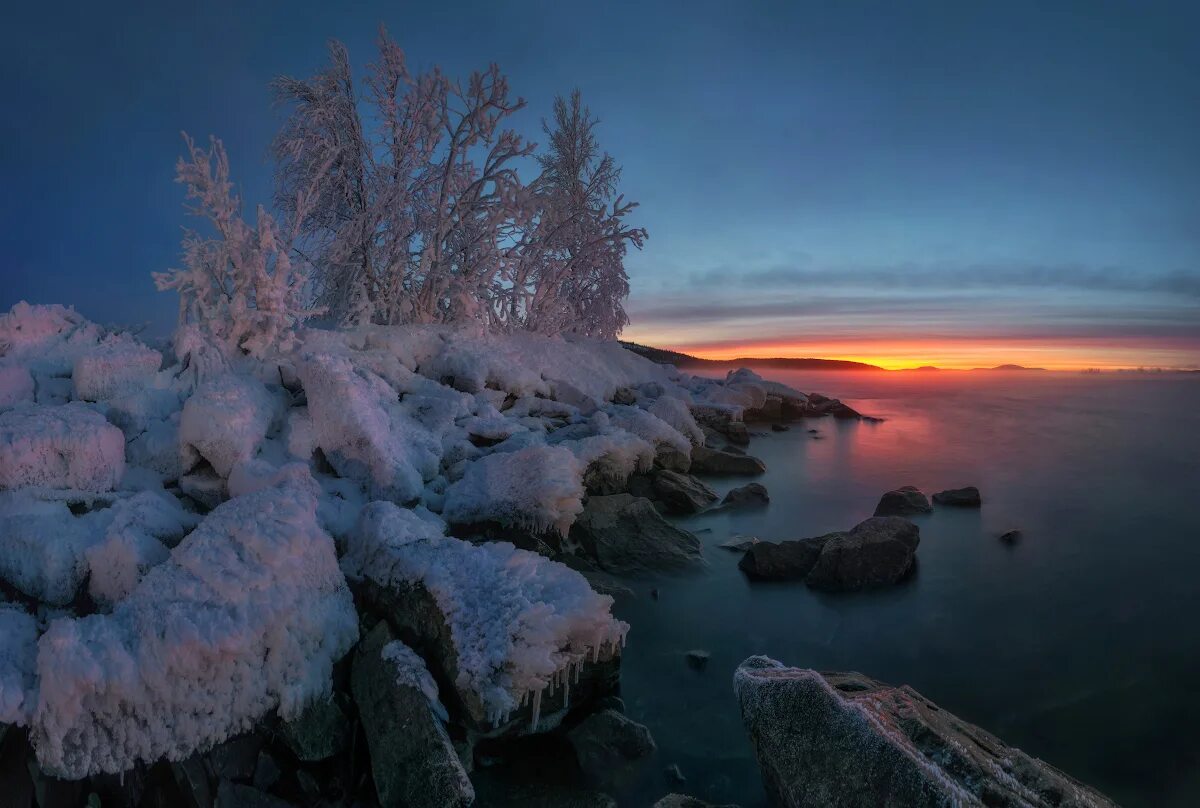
column 412, row 758
column 683, row 801
column 1011, row 536
column 672, row 460
column 733, row 450
column 710, row 461
column 875, row 552
column 641, row 485
column 959, row 497
column 738, row 543
column 697, row 659
column 736, row 432
column 814, row 432
column 674, row 773
column 235, row 759
column 780, row 427
column 627, row 536
column 610, row 703
column 844, row 739
column 682, row 493
column 654, row 594
column 233, row 795
column 610, row 747
column 745, row 496
column 903, row 502
column 843, row 411
column 782, row 561
column 320, row 732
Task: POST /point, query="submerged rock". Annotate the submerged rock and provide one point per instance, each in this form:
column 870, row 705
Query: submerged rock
column 712, row 461
column 903, row 502
column 738, row 543
column 875, row 552
column 610, row 746
column 697, row 659
column 747, row 496
column 959, row 497
column 1011, row 536
column 682, row 493
column 844, row 739
column 627, row 536
column 782, row 561
column 780, row 427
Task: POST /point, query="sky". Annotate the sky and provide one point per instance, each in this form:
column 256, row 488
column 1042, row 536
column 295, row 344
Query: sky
column 955, row 184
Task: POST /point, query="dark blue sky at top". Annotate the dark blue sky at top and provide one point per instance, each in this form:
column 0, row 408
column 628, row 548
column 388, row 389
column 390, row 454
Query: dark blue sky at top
column 954, row 169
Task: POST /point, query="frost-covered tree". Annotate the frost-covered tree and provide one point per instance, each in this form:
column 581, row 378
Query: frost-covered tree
column 240, row 288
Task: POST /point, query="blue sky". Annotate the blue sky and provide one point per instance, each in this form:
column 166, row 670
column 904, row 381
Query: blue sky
column 817, row 178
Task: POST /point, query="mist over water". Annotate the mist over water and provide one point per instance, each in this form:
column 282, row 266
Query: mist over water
column 1078, row 644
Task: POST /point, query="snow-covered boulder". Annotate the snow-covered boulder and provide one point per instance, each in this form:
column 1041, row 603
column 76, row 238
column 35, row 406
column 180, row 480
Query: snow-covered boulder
column 539, row 489
column 43, row 547
column 226, row 419
column 16, row 385
column 247, row 615
column 117, row 365
column 512, row 630
column 18, row 665
column 609, row 460
column 67, row 446
column 46, row 339
column 138, row 534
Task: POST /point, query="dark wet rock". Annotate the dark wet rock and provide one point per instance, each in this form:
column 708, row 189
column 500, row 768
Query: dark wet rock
column 747, row 496
column 771, row 410
column 321, row 731
column 235, row 759
column 684, row 801
column 610, row 703
column 266, row 772
column 903, row 502
column 876, row 552
column 710, row 461
column 672, row 459
column 625, row 396
column 674, row 773
column 733, row 450
column 682, row 493
column 738, row 543
column 843, row 411
column 736, row 432
column 641, row 485
column 782, row 561
column 234, row 795
column 191, row 777
column 843, row 739
column 959, row 497
column 625, row 535
column 697, row 659
column 780, row 427
column 1011, row 536
column 814, row 432
column 610, row 747
column 412, row 758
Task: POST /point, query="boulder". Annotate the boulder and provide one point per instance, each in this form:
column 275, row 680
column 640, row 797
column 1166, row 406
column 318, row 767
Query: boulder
column 747, row 496
column 683, row 801
column 875, row 552
column 844, row 739
column 234, row 795
column 959, row 497
column 1011, row 536
column 736, row 432
column 782, row 561
column 66, row 446
column 697, row 659
column 627, row 536
column 412, row 758
column 682, row 493
column 780, row 427
column 668, row 457
column 320, row 732
column 712, row 461
column 903, row 502
column 610, row 747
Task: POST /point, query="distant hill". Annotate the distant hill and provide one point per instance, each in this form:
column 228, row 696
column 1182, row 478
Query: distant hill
column 1010, row 367
column 664, row 357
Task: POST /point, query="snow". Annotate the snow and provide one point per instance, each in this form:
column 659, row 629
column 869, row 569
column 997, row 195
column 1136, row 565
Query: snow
column 139, row 534
column 66, row 446
column 18, row 660
column 16, row 386
column 45, row 339
column 247, row 615
column 43, row 547
column 409, row 669
column 519, row 622
column 538, row 488
column 648, row 427
column 226, row 419
column 675, row 413
column 119, row 364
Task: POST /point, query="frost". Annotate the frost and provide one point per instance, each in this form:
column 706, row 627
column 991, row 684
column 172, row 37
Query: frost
column 16, row 385
column 139, row 532
column 45, row 339
column 410, row 670
column 18, row 662
column 611, row 459
column 67, row 446
column 43, row 546
column 518, row 621
column 675, row 413
column 538, row 488
column 119, row 364
column 648, row 427
column 247, row 615
column 226, row 419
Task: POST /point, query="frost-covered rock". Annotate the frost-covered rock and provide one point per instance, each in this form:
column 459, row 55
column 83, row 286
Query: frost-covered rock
column 138, row 535
column 42, row 547
column 412, row 758
column 844, row 739
column 117, row 365
column 68, row 446
column 18, row 665
column 248, row 615
column 46, row 339
column 512, row 630
column 226, row 419
column 16, row 386
column 539, row 489
column 609, row 460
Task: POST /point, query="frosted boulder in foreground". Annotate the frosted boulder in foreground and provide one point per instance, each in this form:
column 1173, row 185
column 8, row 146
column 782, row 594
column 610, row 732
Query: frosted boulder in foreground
column 18, row 659
column 248, row 615
column 844, row 739
column 67, row 446
column 226, row 419
column 118, row 365
column 514, row 632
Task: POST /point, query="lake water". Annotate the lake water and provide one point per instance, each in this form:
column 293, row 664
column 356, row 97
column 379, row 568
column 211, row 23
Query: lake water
column 1079, row 644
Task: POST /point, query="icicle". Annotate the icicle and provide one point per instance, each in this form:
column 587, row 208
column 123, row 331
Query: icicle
column 578, row 670
column 537, row 710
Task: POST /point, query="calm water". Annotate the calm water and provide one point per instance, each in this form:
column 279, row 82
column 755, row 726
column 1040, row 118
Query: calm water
column 1080, row 644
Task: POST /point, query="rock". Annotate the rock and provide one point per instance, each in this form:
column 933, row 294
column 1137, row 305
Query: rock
column 771, row 410
column 736, row 432
column 959, row 497
column 682, row 493
column 814, row 432
column 682, row 801
column 191, row 776
column 780, row 427
column 738, row 543
column 1011, row 536
column 320, row 732
column 204, row 487
column 903, row 502
column 627, row 536
column 65, row 446
column 697, row 659
column 671, row 459
column 782, row 561
column 711, row 461
column 610, row 703
column 609, row 747
column 747, row 496
column 232, row 795
column 412, row 758
column 844, row 739
column 674, row 774
column 235, row 759
column 266, row 772
column 624, row 396
column 843, row 411
column 875, row 552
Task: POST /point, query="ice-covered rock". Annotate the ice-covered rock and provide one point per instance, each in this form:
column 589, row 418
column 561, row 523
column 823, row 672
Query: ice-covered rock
column 117, row 365
column 844, row 739
column 512, row 630
column 16, row 385
column 610, row 459
column 138, row 535
column 247, row 615
column 46, row 339
column 18, row 665
column 67, row 446
column 226, row 419
column 43, row 546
